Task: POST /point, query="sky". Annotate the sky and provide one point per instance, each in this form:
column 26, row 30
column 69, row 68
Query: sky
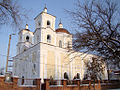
column 33, row 8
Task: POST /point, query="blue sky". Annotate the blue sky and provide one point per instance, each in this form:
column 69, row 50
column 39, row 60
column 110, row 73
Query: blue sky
column 33, row 8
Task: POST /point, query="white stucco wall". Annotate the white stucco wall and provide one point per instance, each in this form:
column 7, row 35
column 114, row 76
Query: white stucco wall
column 47, row 57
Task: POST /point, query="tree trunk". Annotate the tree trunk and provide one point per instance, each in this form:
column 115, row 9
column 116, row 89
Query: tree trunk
column 108, row 72
column 94, row 84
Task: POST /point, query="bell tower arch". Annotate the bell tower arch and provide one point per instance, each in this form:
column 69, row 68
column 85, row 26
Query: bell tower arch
column 25, row 39
column 44, row 25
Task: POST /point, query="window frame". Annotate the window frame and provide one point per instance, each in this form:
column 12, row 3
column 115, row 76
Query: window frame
column 27, row 38
column 48, row 23
column 49, row 38
column 60, row 43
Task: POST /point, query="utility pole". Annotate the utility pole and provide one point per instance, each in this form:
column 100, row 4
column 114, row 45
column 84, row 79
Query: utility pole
column 8, row 51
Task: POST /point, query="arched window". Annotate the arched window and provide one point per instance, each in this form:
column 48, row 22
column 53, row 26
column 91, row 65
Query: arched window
column 60, row 43
column 85, row 77
column 78, row 76
column 39, row 23
column 19, row 50
column 49, row 38
column 20, row 37
column 51, row 80
column 68, row 44
column 34, row 66
column 66, row 75
column 27, row 38
column 48, row 23
column 34, row 69
column 37, row 38
column 34, row 82
column 22, row 80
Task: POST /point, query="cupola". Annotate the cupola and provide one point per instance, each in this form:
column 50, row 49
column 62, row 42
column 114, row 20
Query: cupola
column 45, row 9
column 61, row 29
column 60, row 25
column 26, row 27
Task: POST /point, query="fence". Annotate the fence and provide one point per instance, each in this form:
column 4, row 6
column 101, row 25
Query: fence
column 35, row 84
column 80, row 85
column 70, row 85
column 14, row 84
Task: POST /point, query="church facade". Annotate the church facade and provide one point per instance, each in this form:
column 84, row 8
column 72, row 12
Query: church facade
column 44, row 52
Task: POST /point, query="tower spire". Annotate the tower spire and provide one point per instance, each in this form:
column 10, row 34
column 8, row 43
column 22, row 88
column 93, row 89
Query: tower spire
column 60, row 24
column 60, row 21
column 45, row 6
column 45, row 9
column 26, row 26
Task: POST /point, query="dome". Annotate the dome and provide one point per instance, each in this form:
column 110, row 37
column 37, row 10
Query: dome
column 26, row 27
column 63, row 30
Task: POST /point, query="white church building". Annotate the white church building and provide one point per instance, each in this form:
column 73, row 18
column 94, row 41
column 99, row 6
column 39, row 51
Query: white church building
column 44, row 52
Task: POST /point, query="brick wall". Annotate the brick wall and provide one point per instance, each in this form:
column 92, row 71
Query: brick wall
column 80, row 85
column 112, row 84
column 14, row 86
column 64, row 85
column 76, row 86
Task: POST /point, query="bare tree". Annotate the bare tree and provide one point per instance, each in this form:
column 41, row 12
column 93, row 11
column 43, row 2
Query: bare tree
column 95, row 69
column 11, row 13
column 98, row 29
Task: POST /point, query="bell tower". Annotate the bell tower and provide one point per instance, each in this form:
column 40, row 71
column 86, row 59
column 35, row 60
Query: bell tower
column 44, row 20
column 44, row 23
column 25, row 39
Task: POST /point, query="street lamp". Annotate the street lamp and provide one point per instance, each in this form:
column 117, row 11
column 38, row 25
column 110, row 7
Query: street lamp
column 8, row 51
